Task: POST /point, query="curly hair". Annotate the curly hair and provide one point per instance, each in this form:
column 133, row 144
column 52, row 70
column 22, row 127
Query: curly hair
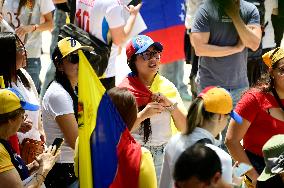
column 266, row 81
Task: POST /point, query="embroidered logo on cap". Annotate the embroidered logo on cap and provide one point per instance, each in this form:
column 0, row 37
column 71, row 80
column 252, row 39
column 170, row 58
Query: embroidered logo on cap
column 72, row 42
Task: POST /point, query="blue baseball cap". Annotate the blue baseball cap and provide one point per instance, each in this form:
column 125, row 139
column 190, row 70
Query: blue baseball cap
column 140, row 44
column 24, row 104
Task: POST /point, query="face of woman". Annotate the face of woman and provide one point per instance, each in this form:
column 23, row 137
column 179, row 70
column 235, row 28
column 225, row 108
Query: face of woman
column 70, row 65
column 278, row 75
column 16, row 123
column 21, row 56
column 148, row 62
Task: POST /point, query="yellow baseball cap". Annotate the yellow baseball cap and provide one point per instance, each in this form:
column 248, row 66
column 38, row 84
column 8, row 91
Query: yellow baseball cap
column 273, row 56
column 69, row 45
column 11, row 100
column 218, row 100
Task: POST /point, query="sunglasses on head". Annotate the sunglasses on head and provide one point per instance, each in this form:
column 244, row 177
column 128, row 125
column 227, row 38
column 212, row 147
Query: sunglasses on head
column 150, row 54
column 73, row 58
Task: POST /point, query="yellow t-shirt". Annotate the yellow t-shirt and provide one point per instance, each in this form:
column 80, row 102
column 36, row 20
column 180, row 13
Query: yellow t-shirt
column 5, row 160
column 147, row 175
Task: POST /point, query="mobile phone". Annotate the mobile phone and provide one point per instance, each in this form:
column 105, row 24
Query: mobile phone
column 57, row 142
column 134, row 2
column 241, row 169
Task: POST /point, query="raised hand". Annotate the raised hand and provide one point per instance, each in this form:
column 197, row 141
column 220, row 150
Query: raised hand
column 47, row 159
column 26, row 125
column 133, row 10
column 160, row 98
column 23, row 30
column 152, row 109
column 232, row 8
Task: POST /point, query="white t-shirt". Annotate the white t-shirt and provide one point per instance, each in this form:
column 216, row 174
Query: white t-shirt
column 56, row 102
column 175, row 147
column 30, row 97
column 226, row 162
column 161, row 130
column 41, row 7
column 268, row 41
column 97, row 17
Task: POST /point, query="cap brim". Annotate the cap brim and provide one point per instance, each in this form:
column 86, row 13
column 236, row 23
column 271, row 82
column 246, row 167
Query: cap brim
column 85, row 48
column 29, row 106
column 157, row 45
column 265, row 175
column 236, row 117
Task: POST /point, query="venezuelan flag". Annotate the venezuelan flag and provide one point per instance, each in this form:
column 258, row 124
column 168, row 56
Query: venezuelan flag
column 165, row 23
column 108, row 155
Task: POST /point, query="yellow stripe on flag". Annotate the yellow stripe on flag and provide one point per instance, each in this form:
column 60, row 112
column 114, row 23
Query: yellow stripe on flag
column 2, row 83
column 90, row 91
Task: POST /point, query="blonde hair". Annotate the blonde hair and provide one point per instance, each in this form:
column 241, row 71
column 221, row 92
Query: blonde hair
column 196, row 115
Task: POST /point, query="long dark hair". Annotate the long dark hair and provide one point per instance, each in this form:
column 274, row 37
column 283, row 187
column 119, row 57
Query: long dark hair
column 131, row 64
column 62, row 79
column 266, row 81
column 8, row 51
column 145, row 128
column 23, row 3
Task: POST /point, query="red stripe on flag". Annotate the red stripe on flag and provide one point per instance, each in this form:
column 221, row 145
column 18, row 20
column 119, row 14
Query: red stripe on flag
column 172, row 40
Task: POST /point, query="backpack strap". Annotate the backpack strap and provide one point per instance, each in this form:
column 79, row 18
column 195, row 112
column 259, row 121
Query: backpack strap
column 16, row 160
column 72, row 10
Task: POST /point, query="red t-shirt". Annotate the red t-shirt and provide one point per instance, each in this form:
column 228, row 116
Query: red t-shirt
column 253, row 107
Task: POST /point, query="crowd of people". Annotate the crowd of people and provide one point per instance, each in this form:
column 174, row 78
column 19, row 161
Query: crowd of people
column 230, row 120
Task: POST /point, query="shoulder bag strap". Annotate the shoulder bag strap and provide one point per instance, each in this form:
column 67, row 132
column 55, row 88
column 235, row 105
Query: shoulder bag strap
column 72, row 10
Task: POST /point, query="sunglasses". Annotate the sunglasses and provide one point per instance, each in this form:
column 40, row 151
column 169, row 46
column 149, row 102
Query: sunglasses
column 73, row 58
column 20, row 48
column 150, row 54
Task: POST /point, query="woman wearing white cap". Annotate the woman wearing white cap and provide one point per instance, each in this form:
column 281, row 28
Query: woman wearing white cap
column 207, row 117
column 60, row 110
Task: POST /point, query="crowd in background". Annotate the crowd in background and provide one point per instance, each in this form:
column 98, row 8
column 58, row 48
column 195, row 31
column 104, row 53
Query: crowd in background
column 236, row 111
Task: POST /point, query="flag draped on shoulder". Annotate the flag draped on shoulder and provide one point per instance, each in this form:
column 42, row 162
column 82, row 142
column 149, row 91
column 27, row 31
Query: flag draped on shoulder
column 108, row 156
column 143, row 95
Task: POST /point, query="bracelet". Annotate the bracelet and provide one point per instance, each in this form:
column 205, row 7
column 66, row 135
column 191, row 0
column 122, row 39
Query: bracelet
column 34, row 27
column 172, row 107
column 40, row 175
